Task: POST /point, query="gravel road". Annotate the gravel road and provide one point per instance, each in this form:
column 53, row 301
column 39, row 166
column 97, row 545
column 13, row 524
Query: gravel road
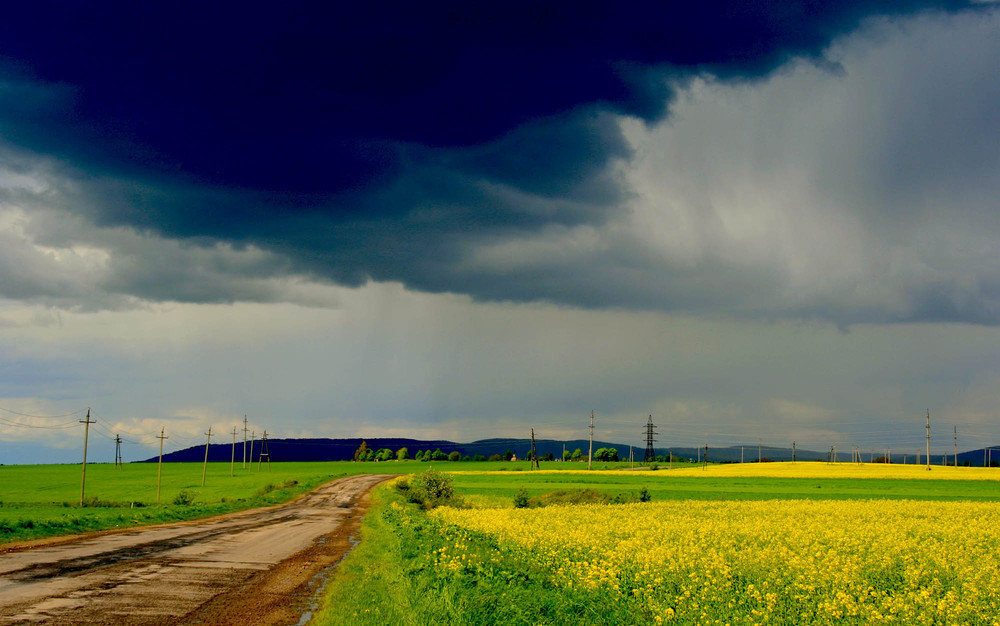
column 254, row 567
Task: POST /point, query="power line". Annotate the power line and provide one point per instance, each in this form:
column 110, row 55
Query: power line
column 64, row 426
column 43, row 416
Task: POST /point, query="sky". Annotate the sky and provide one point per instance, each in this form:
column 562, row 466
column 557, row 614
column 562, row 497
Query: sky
column 754, row 222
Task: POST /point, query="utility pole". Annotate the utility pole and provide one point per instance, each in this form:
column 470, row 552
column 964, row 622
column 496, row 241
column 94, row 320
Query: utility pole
column 245, row 442
column 793, row 452
column 118, row 452
column 159, row 465
column 741, row 455
column 86, row 433
column 253, row 434
column 928, row 440
column 232, row 463
column 590, row 455
column 204, row 469
column 759, row 457
column 705, row 466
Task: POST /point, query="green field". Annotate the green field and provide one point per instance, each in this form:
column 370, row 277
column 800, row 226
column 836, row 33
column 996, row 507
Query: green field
column 499, row 489
column 43, row 500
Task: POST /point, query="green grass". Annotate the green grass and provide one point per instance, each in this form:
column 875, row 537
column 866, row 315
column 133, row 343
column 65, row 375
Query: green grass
column 500, row 488
column 43, row 500
column 392, row 577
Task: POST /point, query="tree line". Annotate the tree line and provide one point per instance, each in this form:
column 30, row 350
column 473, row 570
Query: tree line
column 364, row 453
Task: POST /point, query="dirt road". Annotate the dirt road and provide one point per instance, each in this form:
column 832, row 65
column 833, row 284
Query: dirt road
column 254, row 567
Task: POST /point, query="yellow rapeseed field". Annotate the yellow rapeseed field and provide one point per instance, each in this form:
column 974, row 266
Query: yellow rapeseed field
column 755, row 562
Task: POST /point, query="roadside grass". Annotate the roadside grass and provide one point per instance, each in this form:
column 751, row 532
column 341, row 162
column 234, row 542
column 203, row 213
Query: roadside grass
column 39, row 501
column 395, row 576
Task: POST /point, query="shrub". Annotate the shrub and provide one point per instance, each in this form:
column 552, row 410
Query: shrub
column 431, row 489
column 644, row 495
column 521, row 499
column 184, row 498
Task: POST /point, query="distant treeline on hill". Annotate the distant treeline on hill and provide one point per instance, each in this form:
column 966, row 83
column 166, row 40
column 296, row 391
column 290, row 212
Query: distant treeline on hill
column 280, row 450
column 344, row 449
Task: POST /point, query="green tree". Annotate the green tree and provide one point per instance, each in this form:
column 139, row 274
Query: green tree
column 437, row 456
column 496, row 457
column 478, row 457
column 454, row 455
column 567, row 455
column 384, row 454
column 362, row 451
column 577, row 454
column 402, row 454
column 508, row 455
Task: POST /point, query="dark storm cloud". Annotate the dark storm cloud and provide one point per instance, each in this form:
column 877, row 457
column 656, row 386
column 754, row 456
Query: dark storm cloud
column 384, row 140
column 300, row 97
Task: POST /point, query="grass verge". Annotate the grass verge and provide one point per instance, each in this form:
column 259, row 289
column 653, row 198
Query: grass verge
column 401, row 573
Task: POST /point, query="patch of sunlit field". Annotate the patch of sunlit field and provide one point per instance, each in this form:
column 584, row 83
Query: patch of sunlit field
column 802, row 469
column 753, row 562
column 842, row 470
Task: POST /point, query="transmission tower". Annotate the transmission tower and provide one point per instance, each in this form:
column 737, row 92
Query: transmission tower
column 650, row 454
column 533, row 454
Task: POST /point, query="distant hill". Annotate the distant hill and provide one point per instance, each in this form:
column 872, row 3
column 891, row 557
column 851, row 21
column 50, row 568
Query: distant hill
column 343, row 450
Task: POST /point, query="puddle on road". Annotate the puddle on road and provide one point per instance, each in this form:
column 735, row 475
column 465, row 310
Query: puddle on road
column 321, row 580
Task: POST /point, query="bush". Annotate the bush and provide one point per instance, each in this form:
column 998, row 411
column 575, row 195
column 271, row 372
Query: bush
column 184, row 498
column 644, row 495
column 431, row 489
column 521, row 499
